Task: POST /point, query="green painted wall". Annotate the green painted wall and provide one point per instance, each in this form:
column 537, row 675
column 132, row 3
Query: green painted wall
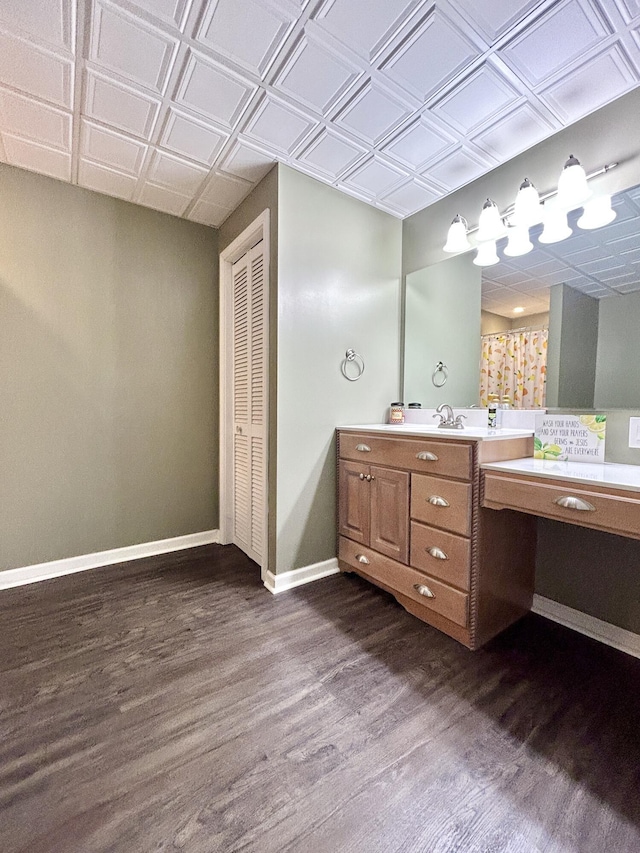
column 572, row 348
column 338, row 287
column 442, row 323
column 108, row 372
column 617, row 380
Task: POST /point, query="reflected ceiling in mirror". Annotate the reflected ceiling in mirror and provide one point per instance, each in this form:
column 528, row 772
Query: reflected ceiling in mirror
column 600, row 262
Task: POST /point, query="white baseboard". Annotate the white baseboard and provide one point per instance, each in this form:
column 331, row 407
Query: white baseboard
column 605, row 632
column 56, row 568
column 296, row 577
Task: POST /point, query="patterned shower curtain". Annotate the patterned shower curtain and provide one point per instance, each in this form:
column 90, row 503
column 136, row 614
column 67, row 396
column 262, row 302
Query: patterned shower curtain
column 515, row 363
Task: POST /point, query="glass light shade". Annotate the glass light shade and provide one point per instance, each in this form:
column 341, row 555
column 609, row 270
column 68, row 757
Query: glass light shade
column 556, row 227
column 486, row 255
column 597, row 212
column 527, row 209
column 573, row 189
column 457, row 236
column 490, row 224
column 519, row 242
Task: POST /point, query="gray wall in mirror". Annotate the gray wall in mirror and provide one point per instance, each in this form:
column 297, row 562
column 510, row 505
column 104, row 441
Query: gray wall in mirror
column 442, row 324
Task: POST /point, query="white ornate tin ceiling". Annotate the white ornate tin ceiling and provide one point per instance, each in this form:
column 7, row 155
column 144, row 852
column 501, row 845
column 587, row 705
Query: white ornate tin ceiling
column 183, row 105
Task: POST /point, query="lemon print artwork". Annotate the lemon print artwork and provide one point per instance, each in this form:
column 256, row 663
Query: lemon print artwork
column 595, row 423
column 541, row 450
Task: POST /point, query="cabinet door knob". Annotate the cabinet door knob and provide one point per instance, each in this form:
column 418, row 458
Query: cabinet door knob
column 370, row 477
column 427, row 455
column 438, row 553
column 363, row 448
column 362, row 559
column 423, row 589
column 571, row 502
column 436, row 500
column 361, row 476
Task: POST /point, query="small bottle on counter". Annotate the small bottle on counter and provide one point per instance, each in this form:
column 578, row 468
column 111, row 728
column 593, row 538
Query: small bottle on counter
column 415, row 406
column 396, row 413
column 506, row 402
column 493, row 419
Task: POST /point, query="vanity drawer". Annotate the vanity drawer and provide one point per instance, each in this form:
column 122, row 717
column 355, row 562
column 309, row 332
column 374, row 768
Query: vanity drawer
column 432, row 594
column 441, row 503
column 451, row 458
column 614, row 512
column 442, row 555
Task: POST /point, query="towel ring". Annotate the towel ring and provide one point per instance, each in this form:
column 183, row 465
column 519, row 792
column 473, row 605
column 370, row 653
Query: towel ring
column 352, row 356
column 440, row 374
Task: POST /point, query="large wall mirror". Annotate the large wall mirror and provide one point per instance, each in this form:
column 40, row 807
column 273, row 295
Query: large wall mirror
column 585, row 290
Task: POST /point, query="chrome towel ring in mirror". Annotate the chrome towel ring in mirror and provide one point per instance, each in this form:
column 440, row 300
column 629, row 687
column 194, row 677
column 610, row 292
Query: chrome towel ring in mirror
column 440, row 374
column 352, row 356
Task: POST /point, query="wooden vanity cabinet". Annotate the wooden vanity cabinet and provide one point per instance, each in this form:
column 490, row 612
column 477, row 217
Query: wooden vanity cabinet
column 410, row 521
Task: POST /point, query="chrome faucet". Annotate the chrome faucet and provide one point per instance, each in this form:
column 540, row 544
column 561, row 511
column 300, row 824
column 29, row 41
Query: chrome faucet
column 447, row 419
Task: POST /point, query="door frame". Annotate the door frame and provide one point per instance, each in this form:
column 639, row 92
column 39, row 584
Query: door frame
column 258, row 230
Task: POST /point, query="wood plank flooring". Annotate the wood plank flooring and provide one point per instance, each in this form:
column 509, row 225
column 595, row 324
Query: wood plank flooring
column 173, row 704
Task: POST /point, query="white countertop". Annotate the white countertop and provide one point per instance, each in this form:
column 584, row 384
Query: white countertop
column 474, row 433
column 609, row 474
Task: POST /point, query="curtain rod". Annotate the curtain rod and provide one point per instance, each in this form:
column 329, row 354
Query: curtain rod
column 521, row 329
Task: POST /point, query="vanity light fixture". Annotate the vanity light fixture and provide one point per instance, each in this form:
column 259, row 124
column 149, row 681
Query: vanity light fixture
column 556, row 227
column 597, row 212
column 573, row 189
column 518, row 310
column 486, row 255
column 527, row 208
column 457, row 236
column 518, row 242
column 490, row 224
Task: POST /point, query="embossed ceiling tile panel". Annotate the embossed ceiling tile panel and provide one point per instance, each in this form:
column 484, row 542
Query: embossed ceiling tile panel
column 365, row 26
column 415, row 146
column 430, row 58
column 409, row 198
column 627, row 248
column 196, row 140
column 160, row 198
column 550, row 278
column 604, row 266
column 372, row 113
column 172, row 12
column 630, row 9
column 35, row 71
column 514, row 132
column 107, row 181
column 280, row 127
column 208, row 214
column 212, row 90
column 599, row 81
column 245, row 161
column 632, row 287
column 315, row 76
column 111, row 149
column 226, row 191
column 247, row 32
column 622, row 228
column 330, row 154
column 37, row 158
column 27, row 118
column 632, row 257
column 120, row 106
column 457, row 169
column 495, row 17
column 375, row 177
column 552, row 265
column 49, row 21
column 480, row 99
column 169, row 171
column 559, row 37
column 126, row 46
column 622, row 279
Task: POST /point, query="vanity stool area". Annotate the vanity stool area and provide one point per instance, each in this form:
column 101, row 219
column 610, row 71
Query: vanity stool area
column 410, row 521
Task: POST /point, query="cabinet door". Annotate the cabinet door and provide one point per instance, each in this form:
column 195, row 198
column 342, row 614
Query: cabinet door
column 390, row 513
column 353, row 511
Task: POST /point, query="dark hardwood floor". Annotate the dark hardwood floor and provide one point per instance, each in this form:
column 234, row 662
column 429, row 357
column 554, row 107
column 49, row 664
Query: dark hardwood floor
column 173, row 704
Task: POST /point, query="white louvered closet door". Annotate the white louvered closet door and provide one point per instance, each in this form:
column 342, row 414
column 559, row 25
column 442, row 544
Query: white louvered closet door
column 249, row 402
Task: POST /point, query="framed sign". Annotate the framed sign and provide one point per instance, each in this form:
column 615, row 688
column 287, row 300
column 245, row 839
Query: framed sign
column 579, row 438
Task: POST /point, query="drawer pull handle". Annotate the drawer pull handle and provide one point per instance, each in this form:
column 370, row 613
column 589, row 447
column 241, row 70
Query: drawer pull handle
column 571, row 502
column 363, row 448
column 427, row 456
column 438, row 553
column 436, row 500
column 362, row 559
column 423, row 589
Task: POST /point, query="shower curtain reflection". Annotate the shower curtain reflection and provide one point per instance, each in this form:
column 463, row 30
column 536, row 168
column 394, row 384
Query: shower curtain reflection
column 515, row 364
